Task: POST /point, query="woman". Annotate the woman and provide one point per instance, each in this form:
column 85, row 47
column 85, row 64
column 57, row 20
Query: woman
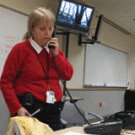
column 30, row 79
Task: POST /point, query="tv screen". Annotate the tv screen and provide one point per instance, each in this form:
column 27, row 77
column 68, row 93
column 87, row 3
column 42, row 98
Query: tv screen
column 73, row 15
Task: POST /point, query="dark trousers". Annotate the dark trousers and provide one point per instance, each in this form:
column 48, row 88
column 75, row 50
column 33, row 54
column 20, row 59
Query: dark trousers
column 50, row 113
column 52, row 119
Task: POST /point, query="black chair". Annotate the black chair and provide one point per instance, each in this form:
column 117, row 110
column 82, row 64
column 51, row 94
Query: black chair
column 129, row 99
column 71, row 115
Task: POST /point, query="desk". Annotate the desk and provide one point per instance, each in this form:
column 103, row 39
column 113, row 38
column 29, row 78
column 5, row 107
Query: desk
column 78, row 129
column 74, row 98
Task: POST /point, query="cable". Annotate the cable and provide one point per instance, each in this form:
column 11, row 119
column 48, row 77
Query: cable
column 67, row 90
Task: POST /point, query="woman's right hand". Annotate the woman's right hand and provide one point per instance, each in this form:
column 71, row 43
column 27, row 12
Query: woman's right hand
column 23, row 112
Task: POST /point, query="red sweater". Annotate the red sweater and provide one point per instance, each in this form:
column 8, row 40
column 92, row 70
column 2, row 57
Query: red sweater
column 23, row 73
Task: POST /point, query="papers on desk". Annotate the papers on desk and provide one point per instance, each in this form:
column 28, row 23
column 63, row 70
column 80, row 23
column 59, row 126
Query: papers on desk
column 73, row 133
column 128, row 132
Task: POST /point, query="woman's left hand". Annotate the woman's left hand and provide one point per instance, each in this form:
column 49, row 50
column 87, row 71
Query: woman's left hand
column 54, row 42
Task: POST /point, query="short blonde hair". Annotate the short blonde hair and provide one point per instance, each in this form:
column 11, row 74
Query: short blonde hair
column 35, row 17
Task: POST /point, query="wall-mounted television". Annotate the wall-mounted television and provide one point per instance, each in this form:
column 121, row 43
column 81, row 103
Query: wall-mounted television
column 74, row 16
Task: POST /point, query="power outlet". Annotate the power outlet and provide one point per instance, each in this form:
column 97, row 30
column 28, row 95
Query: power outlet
column 102, row 104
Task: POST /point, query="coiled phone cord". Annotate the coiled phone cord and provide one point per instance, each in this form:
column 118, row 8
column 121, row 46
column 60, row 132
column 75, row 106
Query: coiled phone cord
column 65, row 89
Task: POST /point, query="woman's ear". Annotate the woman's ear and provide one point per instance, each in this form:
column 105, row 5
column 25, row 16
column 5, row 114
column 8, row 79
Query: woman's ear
column 31, row 31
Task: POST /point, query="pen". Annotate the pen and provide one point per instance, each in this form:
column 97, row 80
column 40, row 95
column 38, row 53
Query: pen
column 37, row 111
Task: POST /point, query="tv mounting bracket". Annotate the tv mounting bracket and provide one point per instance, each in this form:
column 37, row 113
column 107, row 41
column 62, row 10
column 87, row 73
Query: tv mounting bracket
column 94, row 39
column 89, row 41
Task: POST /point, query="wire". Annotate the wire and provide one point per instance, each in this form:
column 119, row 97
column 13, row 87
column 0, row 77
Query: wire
column 67, row 90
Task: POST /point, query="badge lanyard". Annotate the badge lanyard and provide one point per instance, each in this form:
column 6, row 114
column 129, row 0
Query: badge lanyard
column 46, row 74
column 50, row 95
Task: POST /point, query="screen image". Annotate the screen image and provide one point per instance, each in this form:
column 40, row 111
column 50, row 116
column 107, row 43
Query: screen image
column 74, row 16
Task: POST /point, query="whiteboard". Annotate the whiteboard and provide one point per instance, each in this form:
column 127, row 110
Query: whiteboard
column 13, row 25
column 105, row 66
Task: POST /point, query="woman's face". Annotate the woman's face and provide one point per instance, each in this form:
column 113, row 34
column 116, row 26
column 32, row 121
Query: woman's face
column 42, row 32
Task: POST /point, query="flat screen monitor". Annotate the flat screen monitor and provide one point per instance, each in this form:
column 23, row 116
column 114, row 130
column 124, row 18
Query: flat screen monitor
column 74, row 16
column 100, row 20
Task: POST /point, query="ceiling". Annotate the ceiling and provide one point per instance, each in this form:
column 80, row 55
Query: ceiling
column 120, row 12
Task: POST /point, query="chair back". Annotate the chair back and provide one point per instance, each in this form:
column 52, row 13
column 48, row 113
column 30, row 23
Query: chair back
column 71, row 115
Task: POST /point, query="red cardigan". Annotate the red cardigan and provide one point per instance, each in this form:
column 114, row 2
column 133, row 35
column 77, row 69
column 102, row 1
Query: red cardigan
column 23, row 73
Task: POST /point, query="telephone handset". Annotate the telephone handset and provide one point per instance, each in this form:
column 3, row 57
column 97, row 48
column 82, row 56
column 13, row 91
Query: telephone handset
column 124, row 114
column 53, row 35
column 127, row 117
column 121, row 115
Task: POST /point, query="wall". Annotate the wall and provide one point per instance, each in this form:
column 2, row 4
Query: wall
column 113, row 100
column 108, row 36
column 25, row 6
column 4, row 116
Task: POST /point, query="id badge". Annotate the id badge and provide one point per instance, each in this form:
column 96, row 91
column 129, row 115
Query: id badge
column 50, row 97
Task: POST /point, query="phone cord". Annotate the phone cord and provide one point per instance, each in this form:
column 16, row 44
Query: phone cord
column 67, row 89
